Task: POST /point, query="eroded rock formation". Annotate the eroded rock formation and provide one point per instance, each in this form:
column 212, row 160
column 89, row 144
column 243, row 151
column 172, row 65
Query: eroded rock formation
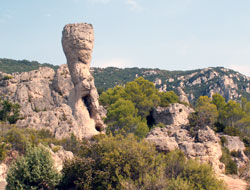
column 63, row 101
column 78, row 43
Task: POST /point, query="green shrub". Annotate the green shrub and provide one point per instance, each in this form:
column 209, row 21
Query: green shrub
column 3, row 151
column 115, row 163
column 179, row 184
column 226, row 158
column 201, row 176
column 9, row 111
column 223, row 140
column 34, row 171
column 232, row 131
column 78, row 174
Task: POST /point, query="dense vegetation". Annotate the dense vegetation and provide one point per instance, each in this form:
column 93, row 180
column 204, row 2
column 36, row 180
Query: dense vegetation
column 129, row 106
column 11, row 66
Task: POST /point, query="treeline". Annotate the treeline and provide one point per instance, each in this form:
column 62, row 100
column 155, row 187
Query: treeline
column 12, row 66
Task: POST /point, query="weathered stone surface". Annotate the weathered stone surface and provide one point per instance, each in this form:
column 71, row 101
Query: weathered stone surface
column 204, row 146
column 65, row 101
column 3, row 175
column 78, row 43
column 176, row 114
column 182, row 95
column 233, row 143
column 60, row 157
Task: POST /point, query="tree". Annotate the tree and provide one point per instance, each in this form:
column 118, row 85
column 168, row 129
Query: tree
column 168, row 98
column 219, row 101
column 206, row 113
column 143, row 94
column 9, row 111
column 231, row 113
column 122, row 117
column 34, row 171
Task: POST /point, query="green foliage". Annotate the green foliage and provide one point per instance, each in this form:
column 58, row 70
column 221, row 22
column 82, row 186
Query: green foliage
column 219, row 101
column 113, row 163
column 123, row 118
column 232, row 131
column 125, row 163
column 12, row 66
column 129, row 106
column 223, row 140
column 231, row 113
column 143, row 94
column 179, row 184
column 201, row 176
column 226, row 158
column 207, row 113
column 34, row 171
column 78, row 174
column 9, row 111
column 168, row 98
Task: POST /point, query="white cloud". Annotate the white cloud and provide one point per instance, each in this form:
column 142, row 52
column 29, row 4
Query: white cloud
column 114, row 62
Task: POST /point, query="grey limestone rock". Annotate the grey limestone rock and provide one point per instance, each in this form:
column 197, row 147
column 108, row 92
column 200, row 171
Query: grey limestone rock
column 63, row 101
column 176, row 114
column 78, row 43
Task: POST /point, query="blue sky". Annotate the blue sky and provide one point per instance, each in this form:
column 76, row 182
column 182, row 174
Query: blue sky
column 166, row 34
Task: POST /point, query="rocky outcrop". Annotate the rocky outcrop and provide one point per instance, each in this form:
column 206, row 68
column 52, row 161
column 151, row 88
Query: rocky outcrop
column 63, row 101
column 182, row 95
column 78, row 43
column 3, row 175
column 234, row 144
column 204, row 147
column 176, row 114
column 60, row 156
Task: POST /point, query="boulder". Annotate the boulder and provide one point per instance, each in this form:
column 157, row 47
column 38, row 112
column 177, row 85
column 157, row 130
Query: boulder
column 176, row 114
column 206, row 147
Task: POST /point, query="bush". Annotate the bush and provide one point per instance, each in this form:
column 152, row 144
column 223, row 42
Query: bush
column 226, row 158
column 34, row 171
column 116, row 163
column 9, row 111
column 201, row 176
column 232, row 131
column 223, row 140
column 78, row 174
column 179, row 184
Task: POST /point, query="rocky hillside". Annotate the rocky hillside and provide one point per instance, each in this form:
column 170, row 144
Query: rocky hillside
column 195, row 83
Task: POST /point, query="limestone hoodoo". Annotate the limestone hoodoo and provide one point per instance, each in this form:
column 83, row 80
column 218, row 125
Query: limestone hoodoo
column 78, row 43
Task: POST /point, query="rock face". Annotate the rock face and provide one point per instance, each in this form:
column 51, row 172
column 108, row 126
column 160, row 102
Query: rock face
column 206, row 147
column 236, row 145
column 78, row 43
column 63, row 101
column 182, row 95
column 176, row 114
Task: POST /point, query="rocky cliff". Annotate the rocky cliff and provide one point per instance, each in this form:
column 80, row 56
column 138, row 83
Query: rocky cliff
column 65, row 101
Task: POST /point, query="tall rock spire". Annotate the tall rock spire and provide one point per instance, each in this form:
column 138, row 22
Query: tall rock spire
column 78, row 43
